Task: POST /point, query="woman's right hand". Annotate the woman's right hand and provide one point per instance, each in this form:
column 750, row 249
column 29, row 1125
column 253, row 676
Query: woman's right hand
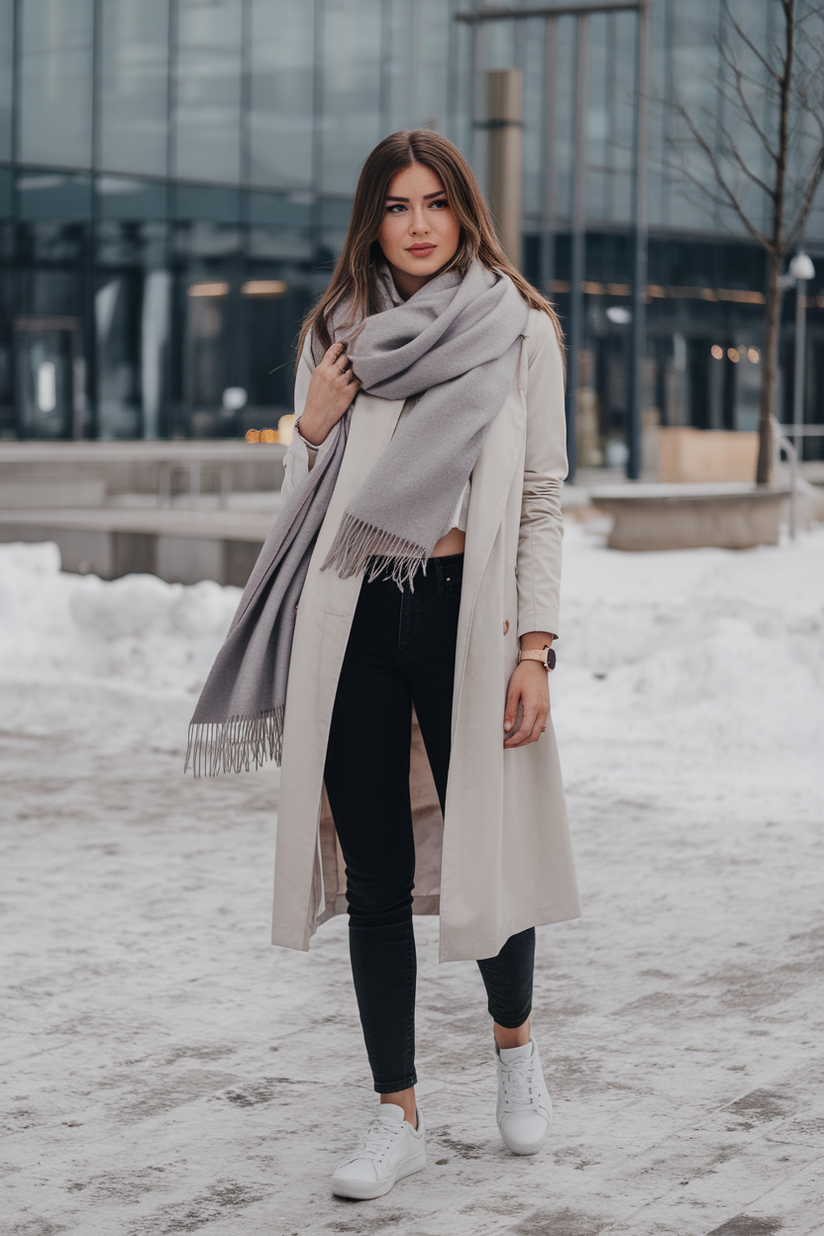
column 332, row 387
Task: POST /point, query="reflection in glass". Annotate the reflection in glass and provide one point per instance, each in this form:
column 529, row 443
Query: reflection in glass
column 154, row 336
column 131, row 310
column 54, row 195
column 417, row 66
column 118, row 405
column 6, row 80
column 280, row 121
column 45, row 364
column 207, row 91
column 351, row 76
column 55, row 124
column 134, row 39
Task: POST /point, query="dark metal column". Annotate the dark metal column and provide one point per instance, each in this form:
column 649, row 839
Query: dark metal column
column 547, row 246
column 575, row 336
column 638, row 328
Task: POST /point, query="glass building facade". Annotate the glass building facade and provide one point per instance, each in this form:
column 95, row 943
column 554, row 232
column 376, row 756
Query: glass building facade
column 176, row 177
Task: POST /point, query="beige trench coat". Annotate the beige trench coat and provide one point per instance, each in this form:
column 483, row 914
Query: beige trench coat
column 500, row 861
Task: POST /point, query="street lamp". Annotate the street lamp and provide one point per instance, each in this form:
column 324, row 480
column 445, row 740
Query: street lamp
column 801, row 269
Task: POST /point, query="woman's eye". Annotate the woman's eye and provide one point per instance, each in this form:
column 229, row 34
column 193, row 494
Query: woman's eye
column 440, row 202
column 395, row 208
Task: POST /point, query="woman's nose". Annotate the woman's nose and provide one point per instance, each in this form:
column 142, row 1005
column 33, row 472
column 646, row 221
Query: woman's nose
column 419, row 223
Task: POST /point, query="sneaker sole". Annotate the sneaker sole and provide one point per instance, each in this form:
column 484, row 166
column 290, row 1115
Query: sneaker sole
column 516, row 1147
column 527, row 1148
column 363, row 1191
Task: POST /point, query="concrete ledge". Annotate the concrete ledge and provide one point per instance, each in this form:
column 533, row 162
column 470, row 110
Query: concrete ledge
column 178, row 546
column 650, row 517
column 125, row 468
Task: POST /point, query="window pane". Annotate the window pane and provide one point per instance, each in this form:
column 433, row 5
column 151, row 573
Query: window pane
column 6, row 84
column 280, row 123
column 417, row 65
column 208, row 72
column 134, row 39
column 131, row 317
column 351, row 89
column 54, row 195
column 56, row 82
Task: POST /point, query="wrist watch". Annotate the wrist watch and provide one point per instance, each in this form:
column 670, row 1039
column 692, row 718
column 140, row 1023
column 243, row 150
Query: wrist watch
column 545, row 655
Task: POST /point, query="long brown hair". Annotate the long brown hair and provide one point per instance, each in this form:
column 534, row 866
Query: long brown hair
column 354, row 281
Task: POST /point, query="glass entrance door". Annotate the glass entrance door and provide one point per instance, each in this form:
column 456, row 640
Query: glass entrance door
column 48, row 377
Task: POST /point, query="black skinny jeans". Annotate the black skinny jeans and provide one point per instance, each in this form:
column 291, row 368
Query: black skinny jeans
column 401, row 649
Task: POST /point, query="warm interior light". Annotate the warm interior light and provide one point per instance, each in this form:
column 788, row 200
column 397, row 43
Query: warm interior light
column 732, row 353
column 268, row 435
column 253, row 435
column 753, row 355
column 208, row 289
column 263, row 287
column 717, row 352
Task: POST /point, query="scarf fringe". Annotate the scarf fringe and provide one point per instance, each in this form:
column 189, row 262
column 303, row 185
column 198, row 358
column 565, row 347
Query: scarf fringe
column 358, row 545
column 233, row 746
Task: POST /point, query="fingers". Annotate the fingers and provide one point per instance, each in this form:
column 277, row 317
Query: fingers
column 336, row 356
column 513, row 697
column 533, row 721
column 339, row 366
column 530, row 730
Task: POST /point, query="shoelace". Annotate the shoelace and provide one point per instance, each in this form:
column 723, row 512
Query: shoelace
column 519, row 1085
column 378, row 1140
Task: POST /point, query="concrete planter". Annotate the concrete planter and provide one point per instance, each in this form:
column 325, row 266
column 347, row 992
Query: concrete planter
column 649, row 517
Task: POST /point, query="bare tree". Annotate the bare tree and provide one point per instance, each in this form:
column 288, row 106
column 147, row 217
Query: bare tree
column 771, row 97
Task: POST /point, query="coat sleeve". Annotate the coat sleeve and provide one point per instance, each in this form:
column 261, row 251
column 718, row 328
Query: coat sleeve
column 545, row 467
column 300, row 458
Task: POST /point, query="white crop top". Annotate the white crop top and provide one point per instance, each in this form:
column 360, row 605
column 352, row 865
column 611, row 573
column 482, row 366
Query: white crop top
column 461, row 510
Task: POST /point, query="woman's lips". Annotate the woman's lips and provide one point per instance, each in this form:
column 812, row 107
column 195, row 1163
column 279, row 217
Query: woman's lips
column 421, row 250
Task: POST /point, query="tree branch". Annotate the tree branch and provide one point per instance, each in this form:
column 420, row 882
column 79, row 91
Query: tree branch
column 799, row 223
column 745, row 38
column 747, row 109
column 728, row 194
column 732, row 152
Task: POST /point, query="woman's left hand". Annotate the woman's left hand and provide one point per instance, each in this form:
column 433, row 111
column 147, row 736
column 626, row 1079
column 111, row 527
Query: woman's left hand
column 529, row 688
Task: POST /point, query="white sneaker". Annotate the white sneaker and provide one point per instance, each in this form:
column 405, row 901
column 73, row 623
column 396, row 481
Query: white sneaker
column 524, row 1106
column 391, row 1150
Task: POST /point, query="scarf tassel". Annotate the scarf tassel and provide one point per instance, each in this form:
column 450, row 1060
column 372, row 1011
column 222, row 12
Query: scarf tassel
column 234, row 745
column 359, row 545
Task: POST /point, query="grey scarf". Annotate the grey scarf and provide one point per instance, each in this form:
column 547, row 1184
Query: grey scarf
column 450, row 352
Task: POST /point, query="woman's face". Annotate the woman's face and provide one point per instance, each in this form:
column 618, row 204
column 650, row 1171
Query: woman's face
column 419, row 234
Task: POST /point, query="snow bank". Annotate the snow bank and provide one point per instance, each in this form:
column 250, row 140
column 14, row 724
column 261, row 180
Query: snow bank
column 716, row 645
column 707, row 650
column 137, row 632
column 695, row 673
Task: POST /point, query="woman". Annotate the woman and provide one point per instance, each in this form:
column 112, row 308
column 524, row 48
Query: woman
column 409, row 592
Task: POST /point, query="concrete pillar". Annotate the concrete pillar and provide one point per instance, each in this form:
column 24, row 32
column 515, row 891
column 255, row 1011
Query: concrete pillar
column 505, row 125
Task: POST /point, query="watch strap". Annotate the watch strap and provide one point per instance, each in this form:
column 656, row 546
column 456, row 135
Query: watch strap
column 546, row 656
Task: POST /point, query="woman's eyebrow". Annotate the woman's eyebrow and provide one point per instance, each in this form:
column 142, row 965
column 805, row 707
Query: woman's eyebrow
column 426, row 196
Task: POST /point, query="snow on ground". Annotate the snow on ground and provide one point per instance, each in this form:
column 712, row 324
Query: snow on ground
column 166, row 1070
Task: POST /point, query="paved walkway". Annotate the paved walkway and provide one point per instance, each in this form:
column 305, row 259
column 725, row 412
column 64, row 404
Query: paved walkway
column 167, row 1071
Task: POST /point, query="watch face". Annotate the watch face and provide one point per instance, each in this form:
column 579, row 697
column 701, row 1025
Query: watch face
column 550, row 658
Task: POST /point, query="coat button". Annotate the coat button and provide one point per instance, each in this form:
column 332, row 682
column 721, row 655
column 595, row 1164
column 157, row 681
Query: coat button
column 506, row 626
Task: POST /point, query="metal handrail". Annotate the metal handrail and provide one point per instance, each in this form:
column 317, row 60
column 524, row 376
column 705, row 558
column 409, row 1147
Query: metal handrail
column 783, row 443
